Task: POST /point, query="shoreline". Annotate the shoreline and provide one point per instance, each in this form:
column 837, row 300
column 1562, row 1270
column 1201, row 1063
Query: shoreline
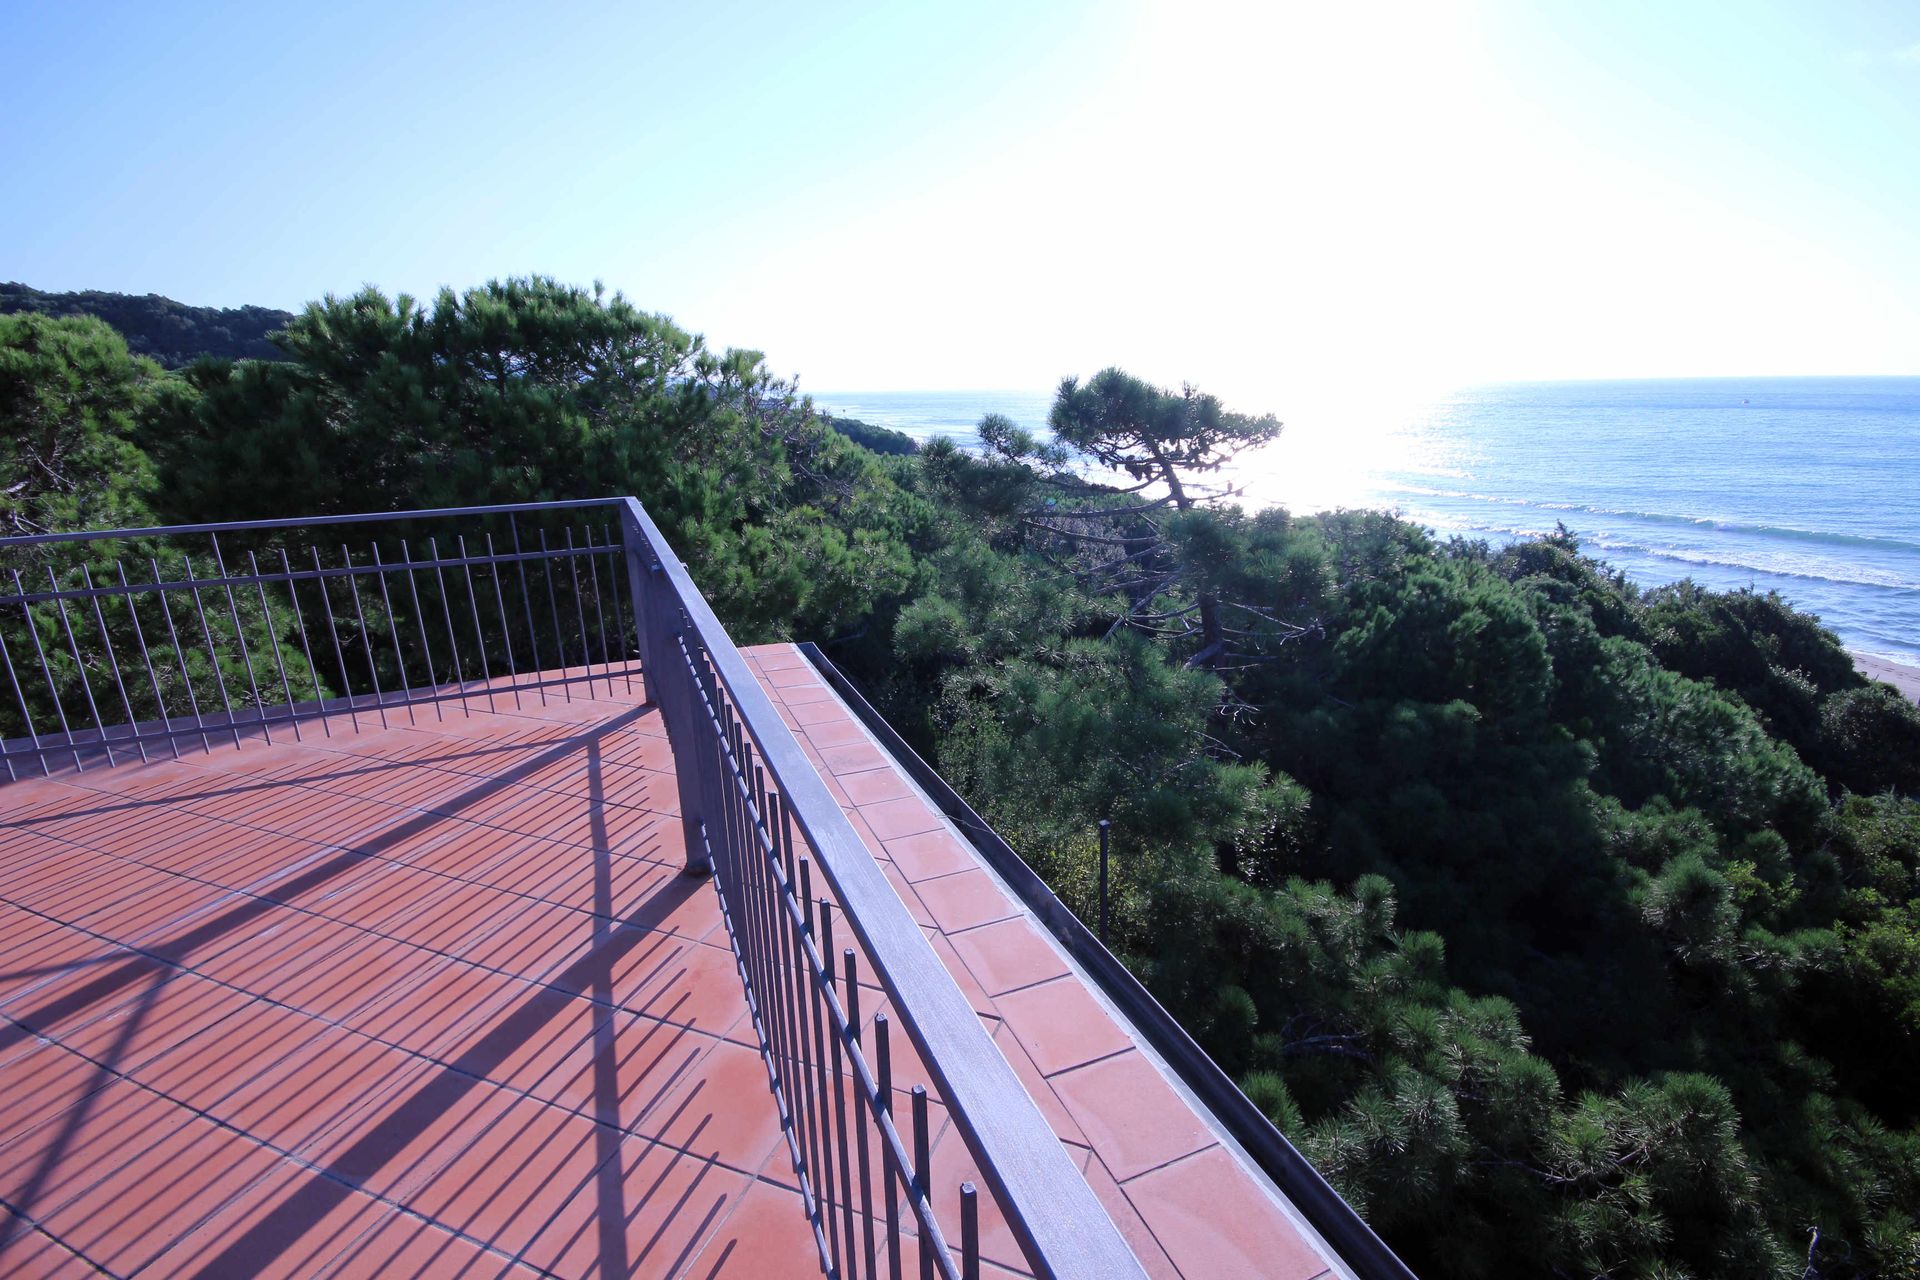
column 1904, row 678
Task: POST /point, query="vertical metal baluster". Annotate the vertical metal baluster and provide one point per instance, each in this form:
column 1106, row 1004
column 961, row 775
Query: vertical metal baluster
column 862, row 1108
column 790, row 1070
column 146, row 658
column 776, row 936
column 420, row 620
column 823, row 1178
column 816, row 1101
column 795, row 992
column 393, row 630
column 828, row 955
column 553, row 608
column 113, row 661
column 246, row 659
column 740, row 837
column 890, row 1173
column 777, row 965
column 763, row 917
column 180, row 654
column 922, row 1177
column 969, row 1232
column 86, row 685
column 273, row 638
column 599, row 613
column 446, row 610
column 1106, row 831
column 526, row 601
column 620, row 628
column 213, row 654
column 333, row 631
column 580, row 610
column 506, row 627
column 240, row 638
column 366, row 638
column 306, row 647
column 727, row 864
column 479, row 636
column 25, row 715
column 769, row 942
column 756, row 825
column 46, row 672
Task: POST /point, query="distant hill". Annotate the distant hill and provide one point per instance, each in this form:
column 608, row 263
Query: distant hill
column 170, row 332
column 878, row 439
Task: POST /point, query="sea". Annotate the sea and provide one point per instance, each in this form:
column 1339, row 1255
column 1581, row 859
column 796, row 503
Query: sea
column 1805, row 486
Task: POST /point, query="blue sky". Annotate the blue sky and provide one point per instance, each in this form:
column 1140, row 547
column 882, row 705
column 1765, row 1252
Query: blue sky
column 1272, row 200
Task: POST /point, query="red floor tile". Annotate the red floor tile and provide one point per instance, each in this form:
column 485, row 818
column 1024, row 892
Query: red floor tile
column 1008, row 955
column 1061, row 1025
column 893, row 819
column 874, row 786
column 42, row 1082
column 603, row 1062
column 152, row 1017
column 1213, row 1221
column 724, row 1110
column 965, row 900
column 27, row 1253
column 1130, row 1114
column 686, row 983
column 930, row 854
column 152, row 1199
column 766, row 1237
column 648, row 1222
column 515, row 1175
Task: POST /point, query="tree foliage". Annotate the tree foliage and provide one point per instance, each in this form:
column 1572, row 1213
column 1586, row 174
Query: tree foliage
column 71, row 397
column 170, row 333
column 1571, row 929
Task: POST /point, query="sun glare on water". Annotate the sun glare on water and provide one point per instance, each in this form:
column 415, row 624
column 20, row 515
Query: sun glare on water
column 1336, row 449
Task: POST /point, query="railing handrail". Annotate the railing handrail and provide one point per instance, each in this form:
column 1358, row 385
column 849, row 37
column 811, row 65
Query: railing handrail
column 1052, row 1211
column 301, row 522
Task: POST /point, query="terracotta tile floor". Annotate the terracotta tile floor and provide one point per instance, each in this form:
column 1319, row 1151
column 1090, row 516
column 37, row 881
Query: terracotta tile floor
column 427, row 1000
column 431, row 999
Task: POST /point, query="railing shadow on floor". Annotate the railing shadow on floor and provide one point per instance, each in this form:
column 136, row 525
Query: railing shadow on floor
column 590, row 976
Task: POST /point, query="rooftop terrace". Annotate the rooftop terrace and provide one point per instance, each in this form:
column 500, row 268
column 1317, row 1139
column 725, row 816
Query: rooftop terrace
column 419, row 984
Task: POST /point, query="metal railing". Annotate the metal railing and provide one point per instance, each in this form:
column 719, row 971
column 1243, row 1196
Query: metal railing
column 433, row 608
column 758, row 808
column 229, row 631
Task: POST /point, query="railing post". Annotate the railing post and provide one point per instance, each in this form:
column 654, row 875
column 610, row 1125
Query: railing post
column 657, row 623
column 1105, row 826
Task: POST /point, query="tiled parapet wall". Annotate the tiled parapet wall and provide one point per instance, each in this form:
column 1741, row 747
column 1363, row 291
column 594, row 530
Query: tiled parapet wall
column 1188, row 1202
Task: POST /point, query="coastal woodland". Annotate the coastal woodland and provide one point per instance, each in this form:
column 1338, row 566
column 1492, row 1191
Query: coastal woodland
column 1571, row 928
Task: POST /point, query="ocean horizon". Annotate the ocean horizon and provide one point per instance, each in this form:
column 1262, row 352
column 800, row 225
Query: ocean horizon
column 1805, row 486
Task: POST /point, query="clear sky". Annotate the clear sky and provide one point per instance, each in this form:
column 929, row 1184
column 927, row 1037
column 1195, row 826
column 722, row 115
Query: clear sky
column 1268, row 200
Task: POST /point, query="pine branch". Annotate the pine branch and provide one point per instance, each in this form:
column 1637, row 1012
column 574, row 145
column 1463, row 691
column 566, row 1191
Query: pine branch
column 1102, row 512
column 1079, row 537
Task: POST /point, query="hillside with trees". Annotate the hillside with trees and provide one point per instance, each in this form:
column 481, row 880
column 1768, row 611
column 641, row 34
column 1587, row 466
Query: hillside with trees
column 1570, row 928
column 168, row 332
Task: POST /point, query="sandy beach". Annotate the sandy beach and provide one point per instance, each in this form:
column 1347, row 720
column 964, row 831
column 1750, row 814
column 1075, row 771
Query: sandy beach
column 1905, row 679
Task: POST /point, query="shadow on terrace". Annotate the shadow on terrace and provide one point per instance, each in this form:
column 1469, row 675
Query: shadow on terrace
column 346, row 928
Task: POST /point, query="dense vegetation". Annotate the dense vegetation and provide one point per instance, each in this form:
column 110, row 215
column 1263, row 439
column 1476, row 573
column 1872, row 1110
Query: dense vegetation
column 878, row 439
column 1570, row 928
column 171, row 333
